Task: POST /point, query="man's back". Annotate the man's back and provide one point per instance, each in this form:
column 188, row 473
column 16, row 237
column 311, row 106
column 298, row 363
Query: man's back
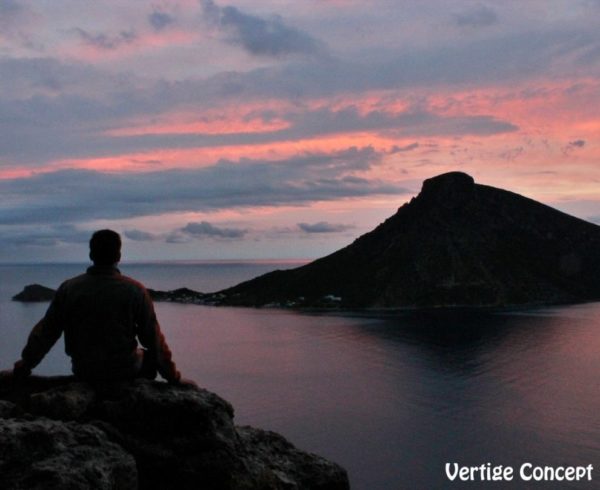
column 103, row 314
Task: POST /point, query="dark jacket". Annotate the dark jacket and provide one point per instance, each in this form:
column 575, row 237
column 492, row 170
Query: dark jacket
column 103, row 314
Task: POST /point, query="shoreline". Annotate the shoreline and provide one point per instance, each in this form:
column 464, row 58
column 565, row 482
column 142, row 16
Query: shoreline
column 36, row 293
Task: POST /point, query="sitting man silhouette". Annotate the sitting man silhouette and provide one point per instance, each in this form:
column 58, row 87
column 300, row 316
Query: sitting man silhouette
column 103, row 314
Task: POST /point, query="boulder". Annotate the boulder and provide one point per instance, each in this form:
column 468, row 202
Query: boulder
column 44, row 454
column 7, row 409
column 67, row 402
column 180, row 437
column 287, row 467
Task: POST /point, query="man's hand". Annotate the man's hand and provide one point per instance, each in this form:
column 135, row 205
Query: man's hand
column 20, row 370
column 186, row 383
column 12, row 377
column 6, row 381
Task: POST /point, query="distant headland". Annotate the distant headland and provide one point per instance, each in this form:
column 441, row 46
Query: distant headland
column 457, row 243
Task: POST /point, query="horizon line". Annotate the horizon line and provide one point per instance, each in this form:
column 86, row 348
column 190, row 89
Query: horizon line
column 126, row 263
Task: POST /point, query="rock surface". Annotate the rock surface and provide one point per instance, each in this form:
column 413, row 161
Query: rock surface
column 49, row 455
column 58, row 433
column 457, row 243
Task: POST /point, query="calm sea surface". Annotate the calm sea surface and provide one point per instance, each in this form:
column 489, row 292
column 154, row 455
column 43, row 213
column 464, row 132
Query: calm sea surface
column 391, row 398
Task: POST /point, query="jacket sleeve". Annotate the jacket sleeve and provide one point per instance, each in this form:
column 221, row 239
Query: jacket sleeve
column 44, row 334
column 152, row 338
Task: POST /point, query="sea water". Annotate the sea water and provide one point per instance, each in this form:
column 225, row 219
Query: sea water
column 393, row 398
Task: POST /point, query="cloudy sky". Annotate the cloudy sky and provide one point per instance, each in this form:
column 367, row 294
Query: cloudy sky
column 225, row 129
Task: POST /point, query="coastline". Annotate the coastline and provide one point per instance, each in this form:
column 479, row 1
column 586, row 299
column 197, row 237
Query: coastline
column 188, row 296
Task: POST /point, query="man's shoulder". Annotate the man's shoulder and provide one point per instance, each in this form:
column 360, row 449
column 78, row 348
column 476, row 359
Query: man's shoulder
column 133, row 283
column 91, row 280
column 72, row 281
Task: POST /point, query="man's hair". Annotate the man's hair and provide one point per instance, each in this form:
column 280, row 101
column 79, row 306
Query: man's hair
column 105, row 247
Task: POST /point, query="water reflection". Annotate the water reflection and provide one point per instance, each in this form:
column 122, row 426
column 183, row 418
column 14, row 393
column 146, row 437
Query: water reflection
column 505, row 388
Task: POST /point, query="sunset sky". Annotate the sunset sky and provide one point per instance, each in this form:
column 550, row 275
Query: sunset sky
column 204, row 129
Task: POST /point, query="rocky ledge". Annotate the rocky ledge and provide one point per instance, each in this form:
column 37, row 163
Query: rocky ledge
column 57, row 433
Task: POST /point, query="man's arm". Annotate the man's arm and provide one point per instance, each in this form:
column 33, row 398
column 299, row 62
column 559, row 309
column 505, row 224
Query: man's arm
column 41, row 339
column 152, row 338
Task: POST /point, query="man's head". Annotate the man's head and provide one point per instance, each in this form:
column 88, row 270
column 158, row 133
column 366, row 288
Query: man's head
column 105, row 247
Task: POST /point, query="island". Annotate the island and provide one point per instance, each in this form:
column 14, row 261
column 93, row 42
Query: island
column 455, row 244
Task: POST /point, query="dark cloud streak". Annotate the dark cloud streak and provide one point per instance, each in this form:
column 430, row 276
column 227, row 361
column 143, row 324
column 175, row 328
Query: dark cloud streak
column 160, row 20
column 573, row 146
column 43, row 236
column 10, row 8
column 324, row 227
column 140, row 236
column 106, row 41
column 258, row 36
column 479, row 16
column 80, row 195
column 205, row 229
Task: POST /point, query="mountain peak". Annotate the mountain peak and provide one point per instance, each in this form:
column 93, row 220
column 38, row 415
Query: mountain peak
column 450, row 185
